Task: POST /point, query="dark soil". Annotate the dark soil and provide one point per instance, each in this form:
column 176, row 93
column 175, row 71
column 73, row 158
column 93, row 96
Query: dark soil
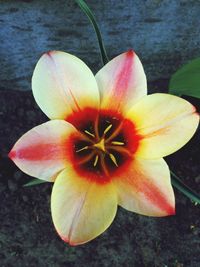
column 28, row 238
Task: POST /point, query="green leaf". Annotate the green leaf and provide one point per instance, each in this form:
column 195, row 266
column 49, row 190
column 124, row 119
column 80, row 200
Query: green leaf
column 85, row 8
column 187, row 191
column 34, row 182
column 186, row 81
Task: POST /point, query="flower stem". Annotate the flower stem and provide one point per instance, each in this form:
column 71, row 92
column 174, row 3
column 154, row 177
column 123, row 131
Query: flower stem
column 186, row 190
column 85, row 8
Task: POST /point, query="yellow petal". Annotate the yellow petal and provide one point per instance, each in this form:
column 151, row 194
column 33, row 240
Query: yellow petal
column 42, row 152
column 63, row 84
column 81, row 209
column 122, row 82
column 165, row 122
column 145, row 188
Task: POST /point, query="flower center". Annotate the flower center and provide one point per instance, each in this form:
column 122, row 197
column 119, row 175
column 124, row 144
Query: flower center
column 101, row 145
column 106, row 146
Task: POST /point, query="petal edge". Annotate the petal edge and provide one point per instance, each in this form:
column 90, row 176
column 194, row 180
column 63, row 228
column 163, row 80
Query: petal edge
column 80, row 210
column 122, row 82
column 42, row 151
column 63, row 84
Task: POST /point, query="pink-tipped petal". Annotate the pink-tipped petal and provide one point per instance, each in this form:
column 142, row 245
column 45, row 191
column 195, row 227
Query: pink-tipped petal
column 62, row 84
column 165, row 124
column 42, row 152
column 146, row 188
column 81, row 209
column 122, row 82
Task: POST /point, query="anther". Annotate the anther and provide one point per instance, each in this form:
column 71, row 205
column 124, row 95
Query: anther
column 84, row 148
column 113, row 159
column 96, row 160
column 117, row 143
column 107, row 129
column 91, row 134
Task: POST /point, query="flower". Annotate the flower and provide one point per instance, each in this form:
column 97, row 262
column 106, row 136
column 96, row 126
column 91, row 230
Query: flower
column 105, row 142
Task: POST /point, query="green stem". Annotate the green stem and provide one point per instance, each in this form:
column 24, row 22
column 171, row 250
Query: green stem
column 186, row 190
column 91, row 17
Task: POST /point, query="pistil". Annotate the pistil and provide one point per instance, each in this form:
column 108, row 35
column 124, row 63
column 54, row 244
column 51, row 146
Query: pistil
column 100, row 145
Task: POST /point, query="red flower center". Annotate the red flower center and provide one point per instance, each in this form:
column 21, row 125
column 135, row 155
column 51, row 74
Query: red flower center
column 106, row 146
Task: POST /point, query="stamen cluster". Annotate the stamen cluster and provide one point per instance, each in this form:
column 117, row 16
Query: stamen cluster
column 105, row 144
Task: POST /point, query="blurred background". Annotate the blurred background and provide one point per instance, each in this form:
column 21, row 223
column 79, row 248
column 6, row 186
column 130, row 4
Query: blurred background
column 165, row 34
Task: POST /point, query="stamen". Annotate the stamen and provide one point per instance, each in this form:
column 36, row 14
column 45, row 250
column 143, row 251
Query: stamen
column 103, row 164
column 84, row 148
column 87, row 158
column 120, row 149
column 96, row 128
column 107, row 129
column 96, row 160
column 113, row 159
column 117, row 143
column 115, row 133
column 91, row 134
